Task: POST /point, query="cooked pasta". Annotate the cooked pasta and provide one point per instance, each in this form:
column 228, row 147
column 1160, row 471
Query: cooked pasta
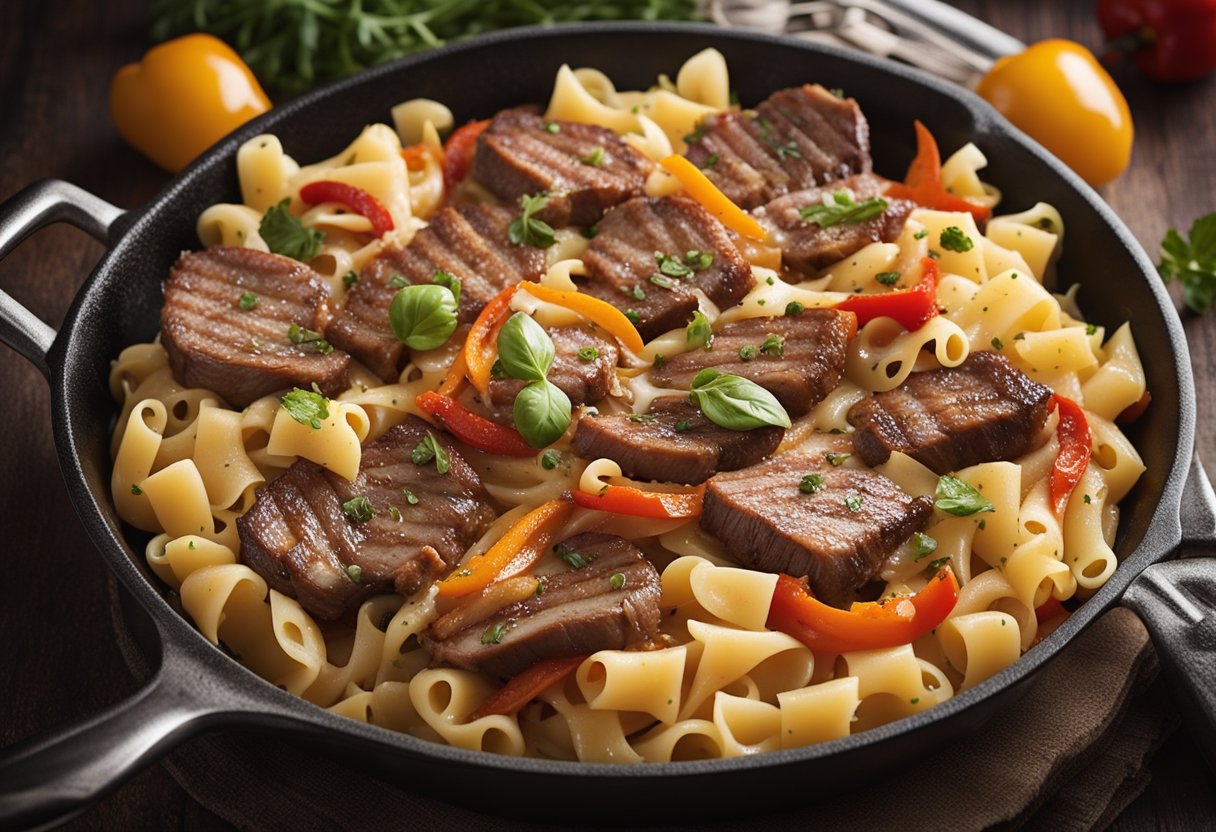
column 721, row 678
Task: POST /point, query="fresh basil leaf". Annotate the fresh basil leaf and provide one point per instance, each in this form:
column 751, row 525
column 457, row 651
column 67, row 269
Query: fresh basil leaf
column 542, row 413
column 306, row 407
column 525, row 349
column 957, row 497
column 285, row 234
column 423, row 317
column 448, row 281
column 736, row 403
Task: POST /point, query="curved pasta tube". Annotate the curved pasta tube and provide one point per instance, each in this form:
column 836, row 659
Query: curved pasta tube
column 648, row 681
column 1119, row 381
column 969, row 264
column 979, row 644
column 1035, row 234
column 225, row 224
column 688, row 739
column 832, row 413
column 704, row 78
column 179, row 500
column 594, row 736
column 1086, row 550
column 137, row 450
column 444, row 698
column 228, row 473
column 991, row 591
column 737, row 596
column 264, row 171
column 727, row 654
column 1115, row 457
column 336, row 445
column 960, row 176
column 746, row 726
column 818, row 713
column 884, row 354
column 858, row 269
column 175, row 559
column 361, row 667
column 676, row 116
column 571, row 101
column 410, row 118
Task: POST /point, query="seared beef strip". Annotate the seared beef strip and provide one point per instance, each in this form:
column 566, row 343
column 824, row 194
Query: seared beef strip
column 838, row 535
column 576, row 613
column 980, row 411
column 227, row 319
column 797, row 138
column 584, row 381
column 469, row 242
column 624, row 256
column 807, row 247
column 802, row 362
column 298, row 537
column 673, row 442
column 584, row 169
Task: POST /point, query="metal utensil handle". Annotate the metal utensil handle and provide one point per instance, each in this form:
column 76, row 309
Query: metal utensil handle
column 1177, row 602
column 960, row 27
column 37, row 206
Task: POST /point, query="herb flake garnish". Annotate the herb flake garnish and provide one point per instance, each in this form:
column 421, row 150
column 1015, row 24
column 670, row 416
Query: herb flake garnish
column 958, row 497
column 359, row 509
column 306, row 407
column 550, row 459
column 285, row 234
column 248, row 301
column 300, row 336
column 810, row 483
column 429, row 450
column 887, row 278
column 617, row 581
column 923, row 545
column 493, row 634
column 841, row 207
column 699, row 333
column 954, row 239
column 526, row 230
column 595, row 158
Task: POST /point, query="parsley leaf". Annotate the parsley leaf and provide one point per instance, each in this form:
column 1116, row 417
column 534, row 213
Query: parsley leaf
column 887, row 278
column 1192, row 260
column 810, row 483
column 285, row 234
column 248, row 301
column 493, row 634
column 773, row 345
column 953, row 239
column 841, row 207
column 298, row 335
column 358, row 509
column 595, row 158
column 430, row 449
column 306, row 407
column 788, row 150
column 923, row 545
column 957, row 497
column 526, row 230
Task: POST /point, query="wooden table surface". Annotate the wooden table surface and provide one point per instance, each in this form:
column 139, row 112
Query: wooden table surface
column 58, row 659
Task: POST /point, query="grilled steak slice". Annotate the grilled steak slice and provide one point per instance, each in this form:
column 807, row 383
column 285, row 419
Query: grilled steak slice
column 625, row 254
column 797, row 138
column 578, row 612
column 584, row 169
column 584, row 381
column 244, row 352
column 673, row 442
column 980, row 411
column 299, row 538
column 807, row 247
column 469, row 242
column 838, row 536
column 797, row 359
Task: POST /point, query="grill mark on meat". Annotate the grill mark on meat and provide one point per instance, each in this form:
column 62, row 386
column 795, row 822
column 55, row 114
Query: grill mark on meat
column 621, row 258
column 577, row 613
column 980, row 411
column 517, row 156
column 468, row 241
column 806, row 247
column 769, row 524
column 243, row 355
column 830, row 137
column 300, row 540
column 584, row 382
column 815, row 346
column 654, row 448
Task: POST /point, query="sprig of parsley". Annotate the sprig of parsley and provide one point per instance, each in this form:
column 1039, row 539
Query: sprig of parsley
column 841, row 207
column 284, row 234
column 1192, row 260
column 527, row 230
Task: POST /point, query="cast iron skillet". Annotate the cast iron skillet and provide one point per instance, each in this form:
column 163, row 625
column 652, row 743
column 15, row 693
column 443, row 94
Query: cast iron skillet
column 197, row 687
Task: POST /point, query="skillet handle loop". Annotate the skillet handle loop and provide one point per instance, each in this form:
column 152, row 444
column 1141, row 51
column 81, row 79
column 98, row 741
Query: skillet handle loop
column 37, row 206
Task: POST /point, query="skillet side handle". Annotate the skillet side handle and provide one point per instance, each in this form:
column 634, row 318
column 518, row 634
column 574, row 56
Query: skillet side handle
column 54, row 776
column 37, row 206
column 1177, row 602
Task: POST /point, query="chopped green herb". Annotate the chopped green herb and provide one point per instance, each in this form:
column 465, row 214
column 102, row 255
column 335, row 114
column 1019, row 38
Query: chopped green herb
column 747, row 352
column 493, row 634
column 588, row 354
column 633, row 316
column 773, row 345
column 429, row 450
column 550, row 459
column 394, row 513
column 1021, row 336
column 595, row 158
column 575, row 560
column 698, row 133
column 397, row 282
column 1090, row 329
column 248, row 301
column 810, row 483
column 936, row 255
column 297, row 334
column 997, row 343
column 552, row 127
column 835, row 459
column 660, row 361
column 954, row 239
column 526, row 230
column 914, row 700
column 636, row 292
column 350, row 279
column 642, row 418
column 683, row 426
column 887, row 278
column 617, row 581
column 794, row 308
column 285, row 234
column 788, row 150
column 698, row 260
column 923, row 545
column 358, row 509
column 136, row 490
column 355, row 573
column 699, row 333
column 710, row 160
column 1088, row 500
column 852, row 502
column 410, row 497
column 841, row 207
column 306, row 407
column 922, row 234
column 590, row 231
column 958, row 497
column 540, row 588
column 671, row 266
column 662, row 281
column 939, row 563
column 191, row 546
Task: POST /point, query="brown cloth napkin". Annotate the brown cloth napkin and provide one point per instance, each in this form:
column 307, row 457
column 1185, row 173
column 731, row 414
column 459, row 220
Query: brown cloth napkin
column 1069, row 755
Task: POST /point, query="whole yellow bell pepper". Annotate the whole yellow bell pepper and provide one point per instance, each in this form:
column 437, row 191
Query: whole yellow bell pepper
column 182, row 97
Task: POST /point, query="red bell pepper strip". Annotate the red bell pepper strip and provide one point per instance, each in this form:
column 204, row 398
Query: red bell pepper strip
column 458, row 152
column 923, row 184
column 912, row 307
column 481, row 345
column 356, row 199
column 1076, row 446
column 526, row 686
column 416, row 156
column 625, row 499
column 473, row 430
column 865, row 626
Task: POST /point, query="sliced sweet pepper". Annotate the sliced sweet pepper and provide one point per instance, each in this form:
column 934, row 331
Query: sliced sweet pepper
column 416, row 156
column 600, row 313
column 481, row 345
column 526, row 686
column 865, row 626
column 912, row 308
column 625, row 499
column 458, row 152
column 697, row 185
column 1076, row 446
column 515, row 551
column 476, row 431
column 356, row 199
column 923, row 184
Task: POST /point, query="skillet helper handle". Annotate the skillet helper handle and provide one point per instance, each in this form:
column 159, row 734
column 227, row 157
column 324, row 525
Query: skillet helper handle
column 1177, row 602
column 37, row 206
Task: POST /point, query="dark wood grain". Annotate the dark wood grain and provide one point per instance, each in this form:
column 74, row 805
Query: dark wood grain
column 58, row 659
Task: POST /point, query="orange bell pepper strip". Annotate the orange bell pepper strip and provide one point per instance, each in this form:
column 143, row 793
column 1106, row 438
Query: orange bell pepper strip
column 923, row 184
column 458, row 152
column 912, row 307
column 526, row 686
column 1076, row 446
column 515, row 551
column 601, row 313
column 476, row 431
column 698, row 186
column 625, row 499
column 866, row 626
column 416, row 156
column 481, row 345
column 357, row 199
column 454, row 380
